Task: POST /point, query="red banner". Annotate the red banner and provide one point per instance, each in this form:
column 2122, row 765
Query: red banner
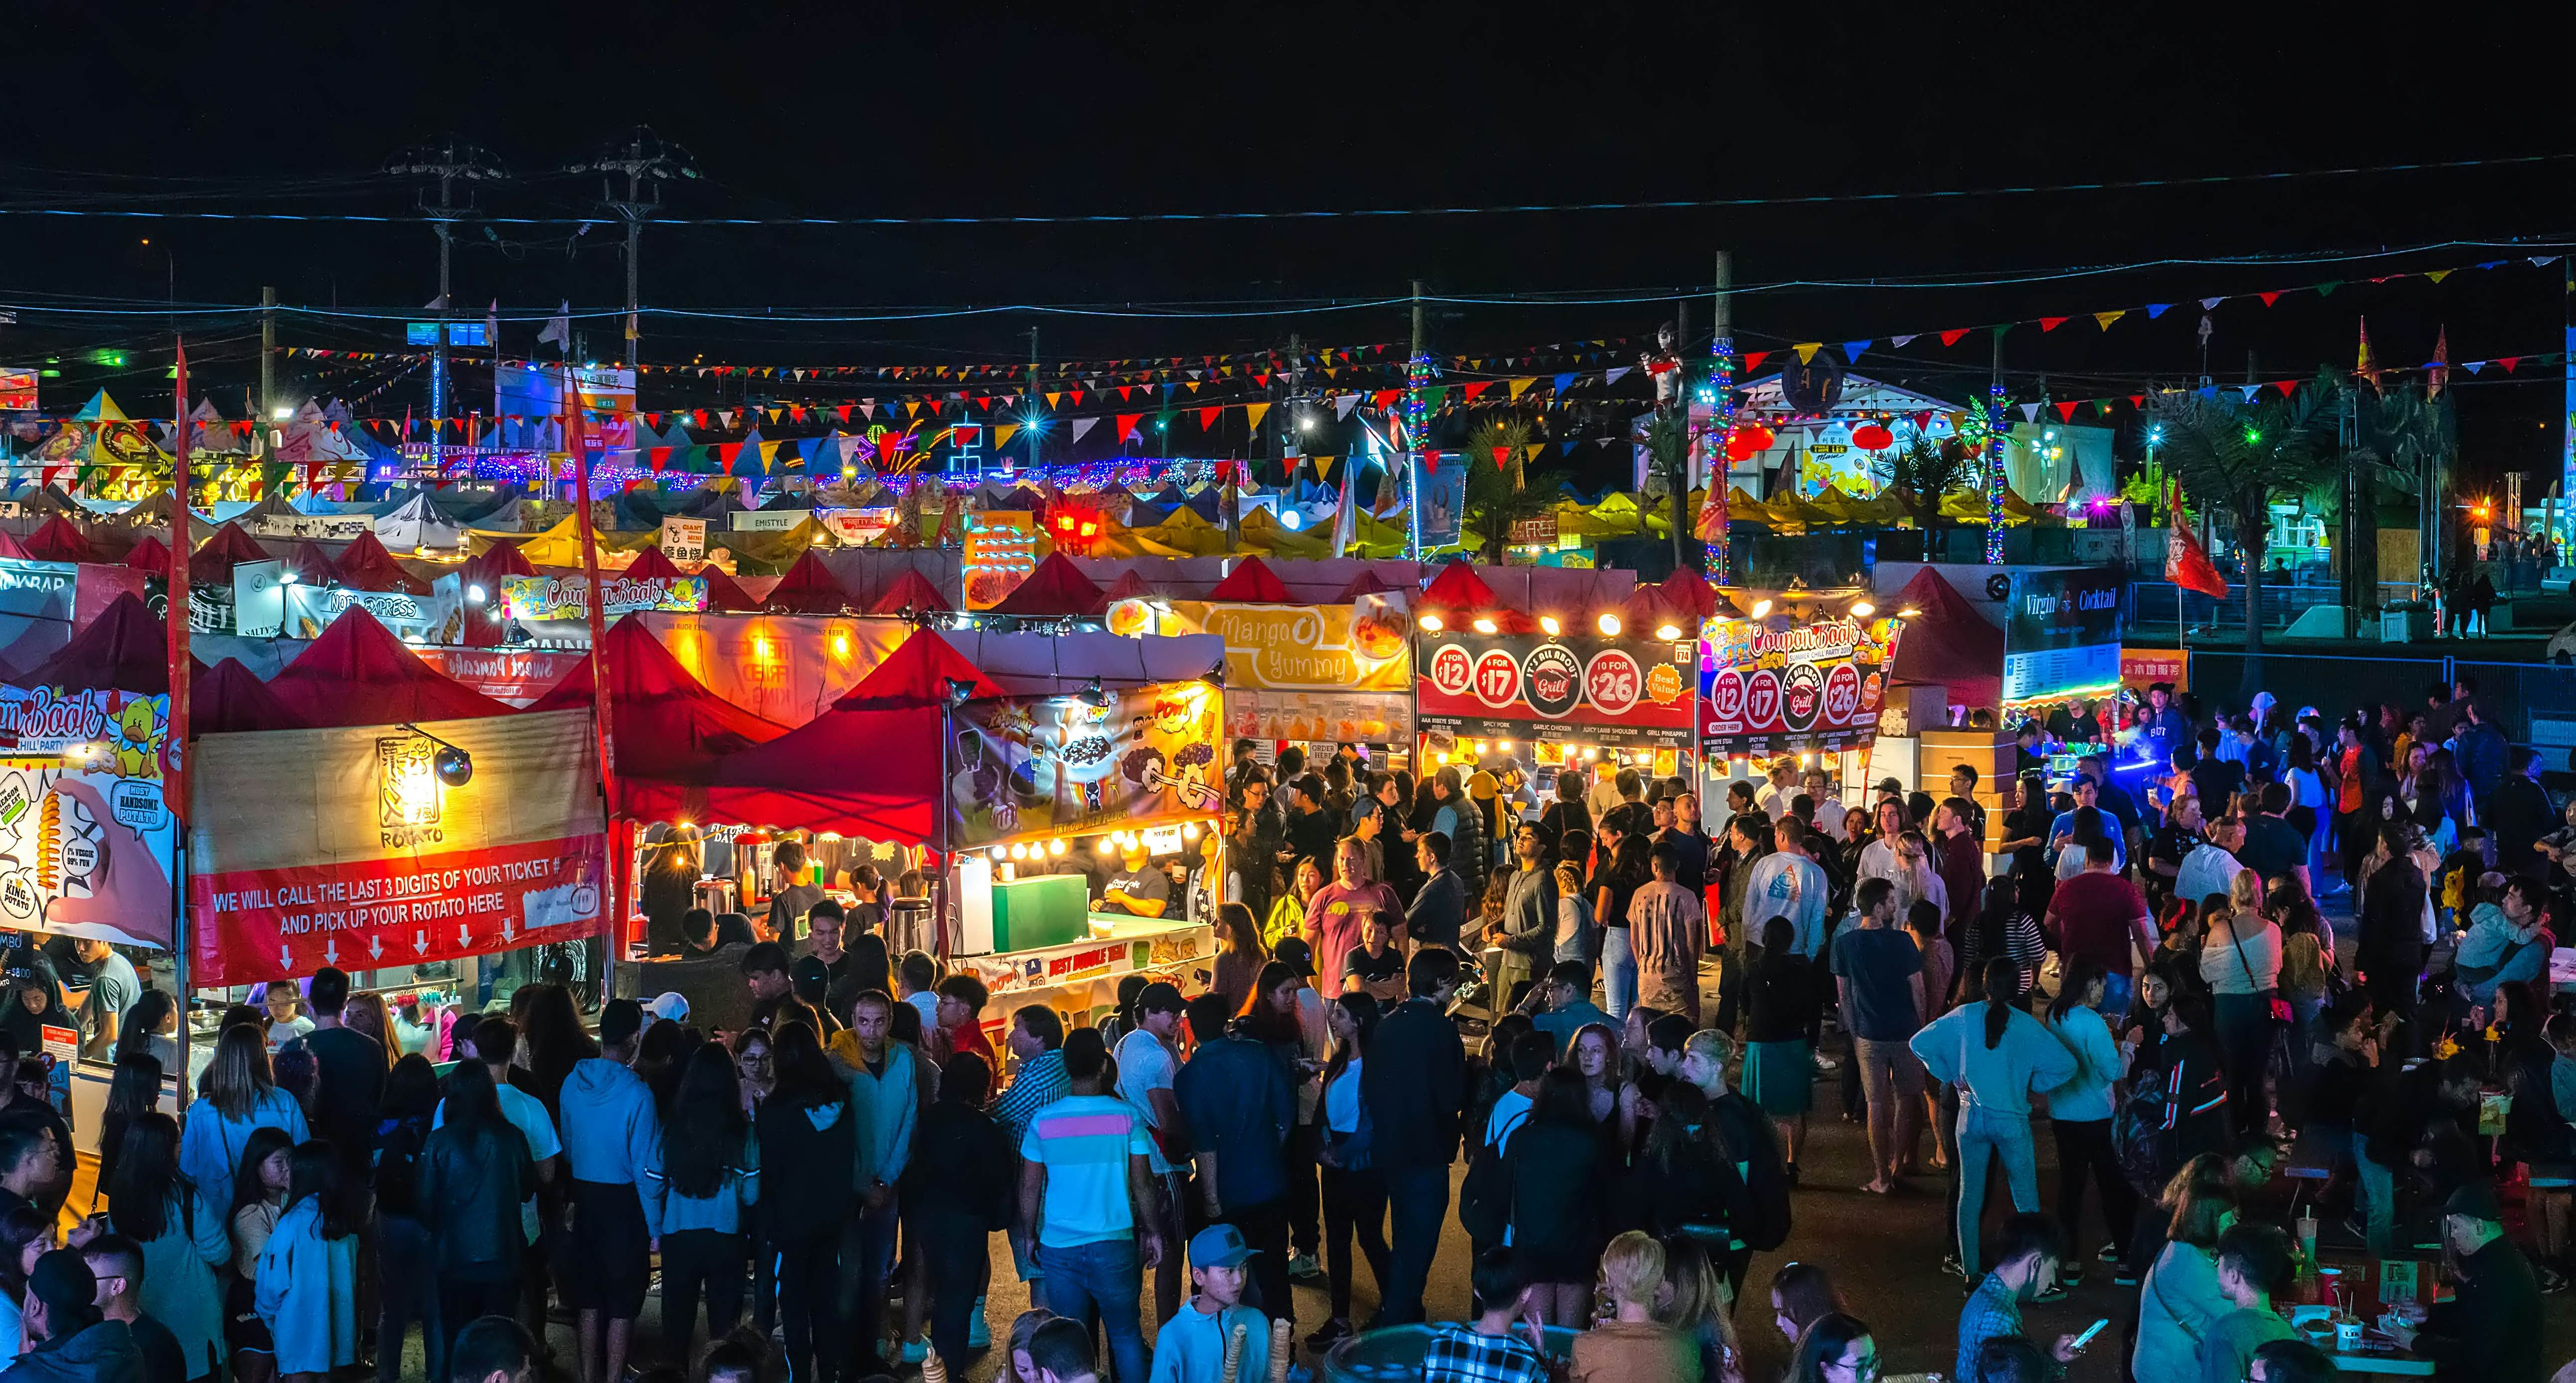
column 515, row 675
column 369, row 914
column 1565, row 689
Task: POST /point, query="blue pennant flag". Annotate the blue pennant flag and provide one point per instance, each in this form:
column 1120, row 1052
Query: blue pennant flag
column 2155, row 310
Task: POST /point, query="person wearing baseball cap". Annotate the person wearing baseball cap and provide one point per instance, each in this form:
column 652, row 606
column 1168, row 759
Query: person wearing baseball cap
column 71, row 1338
column 1191, row 1346
column 612, row 1147
column 2485, row 1332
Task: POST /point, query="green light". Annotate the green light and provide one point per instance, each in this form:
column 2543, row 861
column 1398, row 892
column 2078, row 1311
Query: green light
column 113, row 358
column 2252, row 436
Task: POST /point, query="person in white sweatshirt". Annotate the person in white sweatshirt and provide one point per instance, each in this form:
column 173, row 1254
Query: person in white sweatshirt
column 1996, row 1055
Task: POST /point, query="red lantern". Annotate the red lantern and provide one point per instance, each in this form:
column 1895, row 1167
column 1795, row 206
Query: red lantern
column 1873, row 437
column 1748, row 441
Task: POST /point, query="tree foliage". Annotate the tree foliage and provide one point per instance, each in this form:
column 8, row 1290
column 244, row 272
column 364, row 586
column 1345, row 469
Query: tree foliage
column 1927, row 469
column 2233, row 458
column 1502, row 492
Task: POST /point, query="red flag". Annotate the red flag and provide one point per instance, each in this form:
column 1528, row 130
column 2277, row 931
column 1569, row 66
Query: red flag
column 1127, row 424
column 2186, row 564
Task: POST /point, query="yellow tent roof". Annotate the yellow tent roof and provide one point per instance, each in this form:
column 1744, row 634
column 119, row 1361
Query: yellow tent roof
column 560, row 546
column 1182, row 534
column 1969, row 506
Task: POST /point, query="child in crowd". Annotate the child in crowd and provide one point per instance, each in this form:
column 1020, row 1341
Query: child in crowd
column 1191, row 1346
column 1487, row 1351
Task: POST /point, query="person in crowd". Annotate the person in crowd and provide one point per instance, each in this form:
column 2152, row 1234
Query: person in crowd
column 1375, row 967
column 1354, row 1190
column 402, row 1223
column 2485, row 1331
column 2096, row 916
column 1562, row 1005
column 1923, row 922
column 1240, row 952
column 956, row 1191
column 1801, row 1295
column 807, row 1138
column 116, row 1264
column 474, row 1177
column 493, row 1041
column 2240, row 962
column 1148, row 1065
column 1087, row 1187
column 2080, row 1113
column 1784, row 882
column 1529, row 919
column 1879, row 976
column 1666, row 933
column 1192, row 1346
column 1438, row 912
column 2029, row 1248
column 2253, row 1261
column 1487, row 1349
column 69, row 1339
column 2212, row 865
column 1632, row 1344
column 612, row 1138
column 1996, row 1055
column 1239, row 1104
column 181, row 1240
column 240, row 1097
column 886, row 1092
column 1614, row 887
column 962, row 998
column 1785, row 993
column 1836, row 1349
column 306, row 1282
column 2181, row 1299
column 1410, row 1095
column 2389, row 927
column 497, row 1349
column 1334, row 917
column 1559, row 1203
column 710, row 1177
column 259, row 1186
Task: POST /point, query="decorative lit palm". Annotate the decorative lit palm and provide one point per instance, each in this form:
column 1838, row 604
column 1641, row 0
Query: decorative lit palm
column 1925, row 470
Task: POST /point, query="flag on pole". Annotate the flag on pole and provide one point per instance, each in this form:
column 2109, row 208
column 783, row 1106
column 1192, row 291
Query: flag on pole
column 2366, row 368
column 2441, row 361
column 2186, row 564
column 492, row 328
column 559, row 329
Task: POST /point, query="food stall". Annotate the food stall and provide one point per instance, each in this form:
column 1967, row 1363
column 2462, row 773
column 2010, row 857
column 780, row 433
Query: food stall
column 1559, row 697
column 1795, row 672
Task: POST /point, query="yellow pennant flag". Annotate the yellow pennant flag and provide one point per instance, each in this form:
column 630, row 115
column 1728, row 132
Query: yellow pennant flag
column 1002, row 433
column 769, row 452
column 1520, row 384
column 2437, row 275
column 1323, row 466
column 2107, row 318
column 1051, row 398
column 1807, row 350
column 1530, row 452
column 911, row 409
column 1252, row 413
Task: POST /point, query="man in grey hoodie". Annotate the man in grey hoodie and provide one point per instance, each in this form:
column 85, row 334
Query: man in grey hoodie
column 612, row 1142
column 71, row 1340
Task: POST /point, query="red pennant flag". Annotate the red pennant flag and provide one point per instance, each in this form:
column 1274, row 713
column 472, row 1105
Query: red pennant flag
column 1127, row 424
column 2137, row 400
column 1208, row 417
column 726, row 454
column 1385, row 398
column 1951, row 338
column 660, row 457
column 2051, row 323
column 2286, row 386
column 2066, row 411
column 844, row 411
column 2508, row 362
column 1753, row 360
column 1479, row 387
column 1502, row 458
column 2269, row 298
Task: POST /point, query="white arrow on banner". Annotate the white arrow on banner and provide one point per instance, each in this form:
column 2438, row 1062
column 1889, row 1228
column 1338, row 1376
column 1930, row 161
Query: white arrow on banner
column 464, row 935
column 375, row 947
column 331, row 951
column 509, row 931
column 420, row 943
column 285, row 958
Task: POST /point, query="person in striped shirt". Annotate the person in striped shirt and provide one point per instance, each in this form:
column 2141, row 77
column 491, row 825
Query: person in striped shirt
column 1087, row 1190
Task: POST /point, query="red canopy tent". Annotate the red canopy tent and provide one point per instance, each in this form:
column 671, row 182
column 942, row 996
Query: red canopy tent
column 652, row 564
column 59, row 541
column 1460, row 598
column 149, row 556
column 1947, row 643
column 1366, row 583
column 1690, row 591
column 725, row 594
column 892, row 721
column 366, row 566
column 124, row 649
column 1252, row 581
column 215, row 558
column 911, row 593
column 228, row 698
column 1651, row 609
column 499, row 560
column 1056, row 590
column 358, row 673
column 808, row 589
column 1130, row 585
column 10, row 547
column 668, row 728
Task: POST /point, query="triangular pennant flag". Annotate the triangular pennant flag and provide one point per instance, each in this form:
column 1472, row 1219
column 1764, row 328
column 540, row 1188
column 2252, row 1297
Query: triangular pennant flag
column 2269, row 298
column 1472, row 390
column 1083, row 425
column 2328, row 287
column 1004, row 432
column 1520, row 386
column 1562, row 381
column 2051, row 323
column 2473, row 366
column 2105, row 319
column 2250, row 390
column 1343, row 404
column 1852, row 350
column 2155, row 310
column 2030, row 412
column 1900, row 342
column 2206, row 304
column 2286, row 386
column 2137, row 400
column 2066, row 411
column 2437, row 275
column 1753, row 360
column 1252, row 415
column 1208, row 417
column 2508, row 362
column 1613, row 376
column 1807, row 351
column 1127, row 425
column 1951, row 337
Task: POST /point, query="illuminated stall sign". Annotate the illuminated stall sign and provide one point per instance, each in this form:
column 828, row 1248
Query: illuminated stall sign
column 437, row 617
column 1001, row 551
column 2062, row 634
column 1339, row 673
column 1022, row 766
column 1806, row 687
column 556, row 599
column 1603, row 691
column 86, row 839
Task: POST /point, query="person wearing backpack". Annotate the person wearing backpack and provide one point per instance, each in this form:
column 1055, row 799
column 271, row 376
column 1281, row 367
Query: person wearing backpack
column 1996, row 1055
column 1485, row 1195
column 404, row 1294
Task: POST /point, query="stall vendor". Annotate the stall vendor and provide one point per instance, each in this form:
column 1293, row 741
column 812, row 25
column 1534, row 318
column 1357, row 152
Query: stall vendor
column 1138, row 888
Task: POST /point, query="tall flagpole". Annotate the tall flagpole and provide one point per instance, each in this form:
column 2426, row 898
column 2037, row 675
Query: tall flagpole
column 575, row 419
column 174, row 781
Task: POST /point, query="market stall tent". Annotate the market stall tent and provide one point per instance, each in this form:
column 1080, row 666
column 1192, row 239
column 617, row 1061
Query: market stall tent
column 215, row 558
column 124, row 649
column 1252, row 580
column 666, row 728
column 358, row 673
column 365, row 566
column 149, row 556
column 897, row 728
column 807, row 589
column 1947, row 643
column 911, row 594
column 59, row 541
column 229, row 697
column 1056, row 590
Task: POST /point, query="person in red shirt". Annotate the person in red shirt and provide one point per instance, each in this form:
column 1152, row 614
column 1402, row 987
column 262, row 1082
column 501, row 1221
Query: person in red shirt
column 1960, row 857
column 961, row 1020
column 2095, row 916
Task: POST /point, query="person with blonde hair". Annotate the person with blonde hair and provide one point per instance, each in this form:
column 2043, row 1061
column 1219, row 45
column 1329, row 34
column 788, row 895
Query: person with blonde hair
column 1632, row 1344
column 1698, row 1303
column 241, row 1095
column 2240, row 959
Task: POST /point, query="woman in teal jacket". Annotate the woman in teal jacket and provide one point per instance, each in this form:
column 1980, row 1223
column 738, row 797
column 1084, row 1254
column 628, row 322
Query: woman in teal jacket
column 183, row 1238
column 240, row 1096
column 1995, row 1055
column 307, row 1280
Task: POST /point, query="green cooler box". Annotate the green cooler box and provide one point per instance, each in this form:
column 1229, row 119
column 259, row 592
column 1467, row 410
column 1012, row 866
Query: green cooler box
column 1043, row 910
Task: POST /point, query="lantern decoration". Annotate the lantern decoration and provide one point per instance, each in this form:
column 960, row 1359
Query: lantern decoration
column 1748, row 441
column 1873, row 437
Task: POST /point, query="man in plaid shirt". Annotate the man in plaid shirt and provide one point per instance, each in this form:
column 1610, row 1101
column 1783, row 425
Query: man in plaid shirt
column 1488, row 1351
column 2027, row 1253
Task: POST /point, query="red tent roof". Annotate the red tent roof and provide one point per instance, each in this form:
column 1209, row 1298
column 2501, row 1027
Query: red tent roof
column 358, row 673
column 215, row 558
column 652, row 564
column 1366, row 583
column 366, row 566
column 1130, row 585
column 808, row 589
column 312, row 565
column 1056, row 590
column 1252, row 580
column 724, row 593
column 9, row 547
column 1649, row 607
column 666, row 726
column 504, row 559
column 1948, row 643
column 228, row 697
column 911, row 591
column 917, row 673
column 124, row 649
column 1688, row 590
column 1457, row 587
column 802, row 779
column 59, row 541
column 148, row 555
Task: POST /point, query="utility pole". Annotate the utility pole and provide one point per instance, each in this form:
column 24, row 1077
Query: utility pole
column 1417, row 372
column 449, row 163
column 1679, row 481
column 1037, row 434
column 267, row 360
column 645, row 161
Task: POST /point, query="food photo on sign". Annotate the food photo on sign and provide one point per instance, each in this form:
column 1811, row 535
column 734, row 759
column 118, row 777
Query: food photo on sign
column 1785, row 682
column 1542, row 687
column 1025, row 766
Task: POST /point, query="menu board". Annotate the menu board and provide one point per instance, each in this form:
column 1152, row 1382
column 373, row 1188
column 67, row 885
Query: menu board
column 1818, row 686
column 1529, row 686
column 2062, row 633
column 1341, row 673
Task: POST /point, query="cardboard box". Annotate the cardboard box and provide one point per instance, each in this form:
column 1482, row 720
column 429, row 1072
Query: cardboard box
column 1991, row 752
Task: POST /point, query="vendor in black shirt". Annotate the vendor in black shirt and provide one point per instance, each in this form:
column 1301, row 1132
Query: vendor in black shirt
column 1375, row 967
column 2168, row 846
column 1138, row 888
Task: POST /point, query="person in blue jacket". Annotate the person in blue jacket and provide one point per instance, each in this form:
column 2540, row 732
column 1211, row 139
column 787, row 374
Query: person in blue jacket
column 240, row 1096
column 612, row 1141
column 2166, row 728
column 306, row 1285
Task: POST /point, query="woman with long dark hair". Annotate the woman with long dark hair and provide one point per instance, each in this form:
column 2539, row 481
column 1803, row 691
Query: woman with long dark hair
column 306, row 1284
column 1240, row 953
column 712, row 1167
column 2080, row 1111
column 957, row 1190
column 182, row 1238
column 555, row 1042
column 1631, row 868
column 241, row 1098
column 1996, row 1055
column 2390, row 940
column 147, row 1027
column 1801, row 1295
column 475, row 1174
column 1354, row 1189
column 26, row 1233
column 1560, row 1198
column 259, row 1186
column 404, row 1294
column 133, row 1090
column 1836, row 1349
column 808, row 1143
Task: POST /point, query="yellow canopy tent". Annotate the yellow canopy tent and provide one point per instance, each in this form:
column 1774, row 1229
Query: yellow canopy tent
column 1182, row 534
column 1969, row 506
column 768, row 554
column 560, row 546
column 1372, row 539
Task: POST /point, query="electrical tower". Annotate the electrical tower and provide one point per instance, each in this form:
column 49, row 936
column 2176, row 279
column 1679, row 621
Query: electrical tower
column 646, row 161
column 450, row 161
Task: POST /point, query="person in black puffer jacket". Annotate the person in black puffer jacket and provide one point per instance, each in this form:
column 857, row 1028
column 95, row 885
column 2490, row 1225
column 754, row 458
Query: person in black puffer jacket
column 402, row 1225
column 473, row 1176
column 956, row 1191
column 808, row 1145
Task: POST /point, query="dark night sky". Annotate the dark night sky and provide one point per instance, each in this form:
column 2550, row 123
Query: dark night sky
column 984, row 109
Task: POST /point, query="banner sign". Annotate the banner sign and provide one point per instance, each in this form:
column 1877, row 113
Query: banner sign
column 2141, row 668
column 515, row 675
column 1001, row 551
column 1026, row 766
column 1440, row 502
column 1300, row 672
column 1808, row 687
column 768, row 520
column 543, row 599
column 536, row 393
column 86, row 841
column 857, row 527
column 2062, row 633
column 1601, row 691
column 1537, row 532
column 684, row 540
column 364, row 855
column 326, row 528
column 434, row 618
column 37, row 590
column 17, row 389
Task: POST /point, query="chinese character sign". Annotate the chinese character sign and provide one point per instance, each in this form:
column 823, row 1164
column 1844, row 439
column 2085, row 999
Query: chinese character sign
column 1806, row 686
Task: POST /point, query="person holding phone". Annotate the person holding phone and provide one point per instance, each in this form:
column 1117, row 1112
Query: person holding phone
column 2027, row 1252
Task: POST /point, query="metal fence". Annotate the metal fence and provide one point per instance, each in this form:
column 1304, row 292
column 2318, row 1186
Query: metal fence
column 2152, row 603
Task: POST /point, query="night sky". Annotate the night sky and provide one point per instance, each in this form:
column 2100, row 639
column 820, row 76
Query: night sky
column 987, row 110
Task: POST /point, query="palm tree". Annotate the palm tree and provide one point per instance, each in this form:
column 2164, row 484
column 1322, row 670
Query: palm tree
column 1926, row 470
column 1500, row 491
column 2234, row 457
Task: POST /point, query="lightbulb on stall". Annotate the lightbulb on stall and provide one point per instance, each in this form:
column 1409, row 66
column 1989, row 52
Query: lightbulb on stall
column 1055, row 847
